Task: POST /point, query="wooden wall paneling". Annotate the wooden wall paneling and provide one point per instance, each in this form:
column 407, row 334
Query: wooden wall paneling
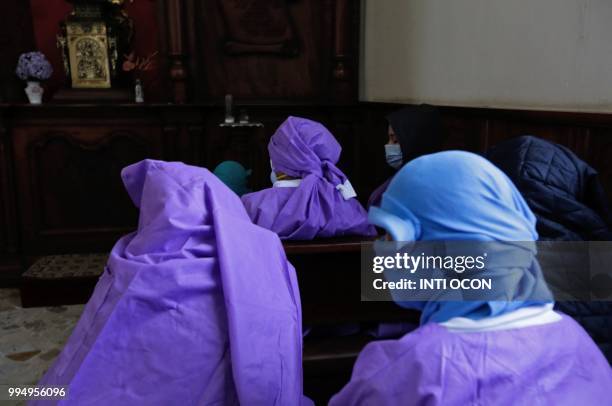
column 343, row 123
column 371, row 134
column 163, row 61
column 178, row 123
column 171, row 136
column 16, row 37
column 67, row 158
column 246, row 145
column 237, row 144
column 465, row 133
column 570, row 136
column 9, row 245
column 260, row 177
column 477, row 130
column 346, row 130
column 192, row 47
column 600, row 155
column 196, row 142
column 216, row 140
column 69, row 185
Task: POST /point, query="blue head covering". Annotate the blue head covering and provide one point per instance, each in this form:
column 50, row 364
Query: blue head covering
column 460, row 196
column 234, row 176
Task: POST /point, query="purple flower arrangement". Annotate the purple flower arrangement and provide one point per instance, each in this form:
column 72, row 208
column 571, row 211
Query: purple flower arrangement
column 33, row 66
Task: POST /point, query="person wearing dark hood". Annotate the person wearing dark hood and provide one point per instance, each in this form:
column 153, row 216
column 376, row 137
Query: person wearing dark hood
column 570, row 204
column 413, row 131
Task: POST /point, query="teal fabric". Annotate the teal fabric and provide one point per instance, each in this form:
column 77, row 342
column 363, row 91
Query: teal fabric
column 234, row 175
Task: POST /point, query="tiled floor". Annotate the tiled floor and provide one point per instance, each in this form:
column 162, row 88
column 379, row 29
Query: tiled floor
column 30, row 339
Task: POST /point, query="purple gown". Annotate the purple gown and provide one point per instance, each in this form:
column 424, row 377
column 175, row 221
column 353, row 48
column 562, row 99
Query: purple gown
column 198, row 307
column 376, row 196
column 322, row 205
column 549, row 364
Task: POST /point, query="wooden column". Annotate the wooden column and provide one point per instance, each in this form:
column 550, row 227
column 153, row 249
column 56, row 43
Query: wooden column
column 342, row 61
column 177, row 68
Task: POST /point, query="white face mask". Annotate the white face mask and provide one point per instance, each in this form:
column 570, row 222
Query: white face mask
column 393, row 153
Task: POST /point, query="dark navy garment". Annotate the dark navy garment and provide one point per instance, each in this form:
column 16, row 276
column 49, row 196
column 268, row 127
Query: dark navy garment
column 569, row 202
column 563, row 191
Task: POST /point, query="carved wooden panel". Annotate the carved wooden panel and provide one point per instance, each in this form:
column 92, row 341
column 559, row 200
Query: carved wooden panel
column 258, row 27
column 69, row 184
column 256, row 49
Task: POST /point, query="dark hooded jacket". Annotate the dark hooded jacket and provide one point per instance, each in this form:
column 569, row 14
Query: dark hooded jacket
column 420, row 131
column 570, row 204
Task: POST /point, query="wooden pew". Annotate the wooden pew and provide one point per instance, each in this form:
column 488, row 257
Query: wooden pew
column 329, row 276
column 328, row 272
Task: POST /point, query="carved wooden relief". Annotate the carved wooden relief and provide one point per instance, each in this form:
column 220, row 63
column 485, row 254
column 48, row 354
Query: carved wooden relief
column 260, row 49
column 258, row 26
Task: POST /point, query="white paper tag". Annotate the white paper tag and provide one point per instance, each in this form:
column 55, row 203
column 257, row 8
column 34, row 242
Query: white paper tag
column 347, row 190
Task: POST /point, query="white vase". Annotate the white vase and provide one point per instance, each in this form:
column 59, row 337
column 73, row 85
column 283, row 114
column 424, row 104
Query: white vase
column 34, row 91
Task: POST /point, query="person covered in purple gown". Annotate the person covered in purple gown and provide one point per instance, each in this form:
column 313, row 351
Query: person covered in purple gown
column 310, row 197
column 413, row 131
column 197, row 307
column 511, row 349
